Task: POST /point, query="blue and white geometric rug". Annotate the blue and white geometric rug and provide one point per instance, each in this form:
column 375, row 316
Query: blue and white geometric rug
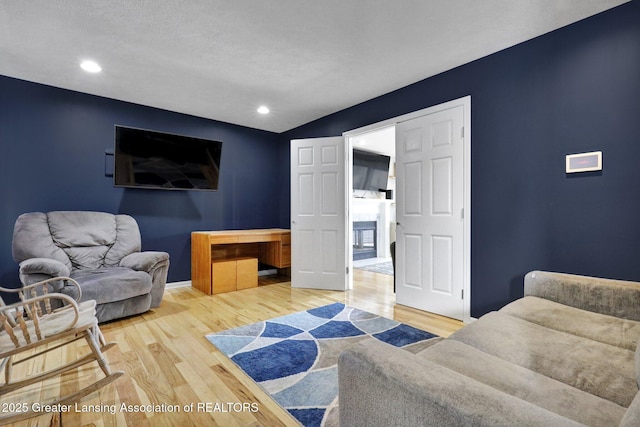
column 294, row 358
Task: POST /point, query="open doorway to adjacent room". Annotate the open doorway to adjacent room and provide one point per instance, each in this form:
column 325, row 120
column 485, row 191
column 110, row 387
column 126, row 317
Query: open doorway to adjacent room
column 372, row 221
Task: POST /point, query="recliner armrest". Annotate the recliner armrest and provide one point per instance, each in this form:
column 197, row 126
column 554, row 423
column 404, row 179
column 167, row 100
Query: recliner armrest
column 41, row 268
column 145, row 261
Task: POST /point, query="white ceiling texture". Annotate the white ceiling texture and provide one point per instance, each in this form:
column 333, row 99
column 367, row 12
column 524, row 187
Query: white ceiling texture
column 304, row 59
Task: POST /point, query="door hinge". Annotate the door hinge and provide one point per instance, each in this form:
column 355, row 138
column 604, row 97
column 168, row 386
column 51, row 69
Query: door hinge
column 462, row 132
column 347, row 271
column 462, row 294
column 462, row 213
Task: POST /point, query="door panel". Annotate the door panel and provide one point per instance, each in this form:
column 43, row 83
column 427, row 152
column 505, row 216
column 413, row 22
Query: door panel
column 318, row 214
column 430, row 232
column 305, row 194
column 442, row 250
column 329, row 191
column 412, row 270
column 441, row 186
column 412, row 185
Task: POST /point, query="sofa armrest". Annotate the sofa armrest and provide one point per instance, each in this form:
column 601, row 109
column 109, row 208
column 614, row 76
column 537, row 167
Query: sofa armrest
column 145, row 261
column 380, row 385
column 34, row 270
column 612, row 297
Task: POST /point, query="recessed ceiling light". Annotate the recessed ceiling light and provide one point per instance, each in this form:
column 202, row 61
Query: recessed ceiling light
column 91, row 66
column 263, row 109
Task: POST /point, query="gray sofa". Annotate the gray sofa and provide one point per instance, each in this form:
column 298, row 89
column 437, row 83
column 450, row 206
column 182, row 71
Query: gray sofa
column 566, row 354
column 101, row 251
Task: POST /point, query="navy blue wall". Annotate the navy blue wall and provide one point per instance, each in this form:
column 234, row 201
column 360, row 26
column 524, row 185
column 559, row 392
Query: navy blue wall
column 574, row 90
column 53, row 144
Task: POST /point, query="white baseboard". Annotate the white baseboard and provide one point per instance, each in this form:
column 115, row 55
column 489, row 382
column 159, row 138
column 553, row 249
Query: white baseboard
column 176, row 285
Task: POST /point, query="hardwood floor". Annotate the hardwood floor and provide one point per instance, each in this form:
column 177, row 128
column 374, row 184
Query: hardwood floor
column 169, row 363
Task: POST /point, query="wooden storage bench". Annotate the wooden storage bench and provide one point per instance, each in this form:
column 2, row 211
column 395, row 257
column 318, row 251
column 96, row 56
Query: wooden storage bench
column 233, row 274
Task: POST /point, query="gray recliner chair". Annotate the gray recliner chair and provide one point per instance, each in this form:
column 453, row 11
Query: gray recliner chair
column 101, row 251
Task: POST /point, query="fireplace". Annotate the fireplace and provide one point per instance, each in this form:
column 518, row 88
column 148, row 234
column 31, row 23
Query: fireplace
column 365, row 235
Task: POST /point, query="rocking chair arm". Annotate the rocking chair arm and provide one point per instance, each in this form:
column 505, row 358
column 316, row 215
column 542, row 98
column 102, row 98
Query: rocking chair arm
column 29, row 291
column 13, row 313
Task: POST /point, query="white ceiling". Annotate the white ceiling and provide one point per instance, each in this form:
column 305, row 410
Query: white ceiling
column 380, row 141
column 303, row 58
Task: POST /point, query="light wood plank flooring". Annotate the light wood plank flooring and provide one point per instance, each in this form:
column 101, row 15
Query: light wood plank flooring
column 168, row 361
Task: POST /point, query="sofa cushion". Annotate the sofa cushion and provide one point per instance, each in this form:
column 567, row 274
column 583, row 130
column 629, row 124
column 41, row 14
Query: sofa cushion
column 112, row 284
column 601, row 369
column 525, row 384
column 382, row 385
column 599, row 327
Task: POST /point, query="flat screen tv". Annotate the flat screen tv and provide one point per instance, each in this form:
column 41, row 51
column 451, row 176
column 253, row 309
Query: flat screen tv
column 150, row 159
column 370, row 171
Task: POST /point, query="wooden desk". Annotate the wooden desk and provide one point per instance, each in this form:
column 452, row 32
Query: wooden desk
column 208, row 248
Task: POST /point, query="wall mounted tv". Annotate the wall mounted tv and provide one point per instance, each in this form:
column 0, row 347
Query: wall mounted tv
column 370, row 171
column 149, row 159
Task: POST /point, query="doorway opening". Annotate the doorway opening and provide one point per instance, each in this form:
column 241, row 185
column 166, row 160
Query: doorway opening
column 372, row 220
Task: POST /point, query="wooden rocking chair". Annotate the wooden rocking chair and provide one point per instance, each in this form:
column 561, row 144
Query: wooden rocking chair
column 34, row 326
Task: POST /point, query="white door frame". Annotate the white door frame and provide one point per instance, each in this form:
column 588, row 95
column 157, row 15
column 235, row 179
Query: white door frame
column 466, row 103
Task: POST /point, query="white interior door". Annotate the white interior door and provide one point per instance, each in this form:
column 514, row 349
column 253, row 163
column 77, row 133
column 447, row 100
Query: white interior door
column 319, row 214
column 430, row 261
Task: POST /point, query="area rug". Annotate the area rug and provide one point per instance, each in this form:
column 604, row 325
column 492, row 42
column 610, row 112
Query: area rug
column 294, row 357
column 382, row 267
